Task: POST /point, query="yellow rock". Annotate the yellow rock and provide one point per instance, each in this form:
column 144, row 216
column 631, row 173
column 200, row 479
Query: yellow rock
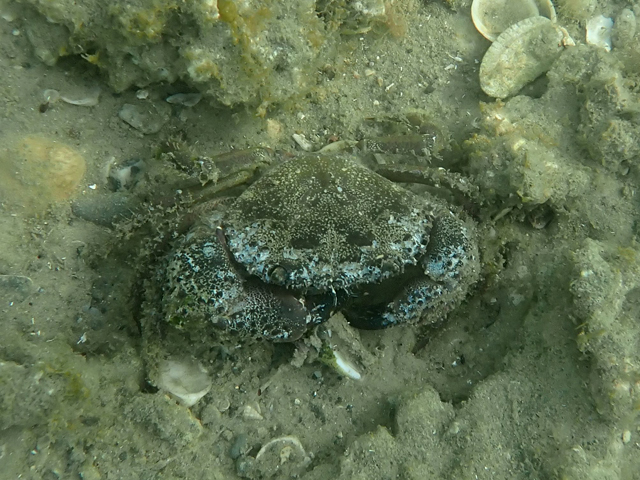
column 36, row 172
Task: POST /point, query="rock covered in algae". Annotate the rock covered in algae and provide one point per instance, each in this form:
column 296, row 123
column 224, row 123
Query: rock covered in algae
column 235, row 51
column 184, row 379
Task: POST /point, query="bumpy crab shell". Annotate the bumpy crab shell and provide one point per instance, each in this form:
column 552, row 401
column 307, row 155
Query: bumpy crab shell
column 313, row 236
column 203, row 283
column 320, row 224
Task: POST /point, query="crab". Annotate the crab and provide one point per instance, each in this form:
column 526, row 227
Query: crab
column 315, row 235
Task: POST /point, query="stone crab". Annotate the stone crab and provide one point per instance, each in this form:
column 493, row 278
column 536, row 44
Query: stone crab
column 317, row 234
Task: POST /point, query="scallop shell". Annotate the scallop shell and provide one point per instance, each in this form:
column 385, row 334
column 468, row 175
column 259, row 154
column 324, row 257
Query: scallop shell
column 521, row 54
column 37, row 172
column 492, row 17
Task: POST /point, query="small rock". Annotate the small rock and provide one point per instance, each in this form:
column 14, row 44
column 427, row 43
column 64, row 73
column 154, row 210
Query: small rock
column 239, row 446
column 210, row 415
column 105, row 210
column 244, row 466
column 148, row 119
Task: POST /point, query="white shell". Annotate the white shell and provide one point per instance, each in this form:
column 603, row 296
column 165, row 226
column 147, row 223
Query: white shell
column 599, row 32
column 344, row 366
column 282, row 457
column 185, row 380
column 492, row 17
column 521, row 54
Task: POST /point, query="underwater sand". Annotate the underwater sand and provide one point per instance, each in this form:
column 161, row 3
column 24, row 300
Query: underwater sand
column 535, row 376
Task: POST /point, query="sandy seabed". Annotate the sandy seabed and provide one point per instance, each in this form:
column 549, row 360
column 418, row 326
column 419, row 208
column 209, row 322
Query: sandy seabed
column 535, row 376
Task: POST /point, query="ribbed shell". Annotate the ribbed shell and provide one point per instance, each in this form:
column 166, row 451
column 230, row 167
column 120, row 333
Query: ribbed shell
column 520, row 54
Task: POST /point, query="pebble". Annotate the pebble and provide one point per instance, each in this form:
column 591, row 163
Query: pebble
column 106, row 210
column 626, row 436
column 147, row 119
column 239, row 446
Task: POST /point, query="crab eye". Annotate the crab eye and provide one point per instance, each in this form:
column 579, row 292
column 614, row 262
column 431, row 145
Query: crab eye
column 277, row 275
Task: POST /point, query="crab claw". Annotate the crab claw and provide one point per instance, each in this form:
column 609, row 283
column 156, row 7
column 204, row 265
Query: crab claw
column 272, row 313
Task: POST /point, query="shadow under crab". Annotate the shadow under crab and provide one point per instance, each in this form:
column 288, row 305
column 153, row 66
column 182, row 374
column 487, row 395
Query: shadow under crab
column 314, row 235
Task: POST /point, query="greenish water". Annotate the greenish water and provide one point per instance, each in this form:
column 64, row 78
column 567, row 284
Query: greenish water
column 534, row 375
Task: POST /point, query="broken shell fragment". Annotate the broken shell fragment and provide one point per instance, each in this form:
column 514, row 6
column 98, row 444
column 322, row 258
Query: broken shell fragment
column 492, row 17
column 186, row 381
column 599, row 32
column 521, row 54
column 302, row 142
column 344, row 366
column 83, row 98
column 284, row 456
